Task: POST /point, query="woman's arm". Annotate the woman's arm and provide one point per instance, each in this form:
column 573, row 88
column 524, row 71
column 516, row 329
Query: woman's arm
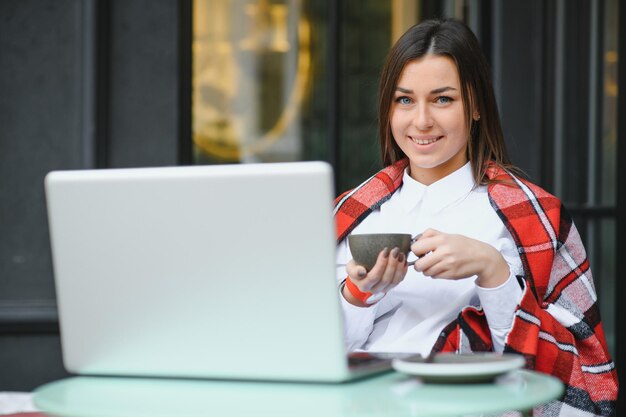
column 450, row 256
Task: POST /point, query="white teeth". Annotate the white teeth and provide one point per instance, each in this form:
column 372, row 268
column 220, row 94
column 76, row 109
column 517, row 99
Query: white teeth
column 424, row 142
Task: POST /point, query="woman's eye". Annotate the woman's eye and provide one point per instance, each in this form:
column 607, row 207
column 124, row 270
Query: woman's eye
column 403, row 100
column 443, row 100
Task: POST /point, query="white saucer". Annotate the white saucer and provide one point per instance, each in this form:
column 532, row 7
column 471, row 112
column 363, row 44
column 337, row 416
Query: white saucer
column 453, row 368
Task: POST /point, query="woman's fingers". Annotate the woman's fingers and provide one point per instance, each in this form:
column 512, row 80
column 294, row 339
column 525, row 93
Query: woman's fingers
column 425, row 263
column 427, row 242
column 359, row 276
column 400, row 271
column 364, row 280
column 395, row 262
column 444, row 256
column 355, row 272
column 377, row 273
column 437, row 270
column 389, row 270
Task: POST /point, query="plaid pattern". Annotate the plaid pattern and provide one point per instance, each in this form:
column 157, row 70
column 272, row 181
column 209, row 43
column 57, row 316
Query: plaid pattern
column 353, row 206
column 557, row 325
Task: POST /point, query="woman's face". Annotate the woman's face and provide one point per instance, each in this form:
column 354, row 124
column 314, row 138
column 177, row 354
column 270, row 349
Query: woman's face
column 428, row 120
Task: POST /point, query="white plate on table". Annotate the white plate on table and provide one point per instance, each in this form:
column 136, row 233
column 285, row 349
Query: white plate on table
column 453, row 368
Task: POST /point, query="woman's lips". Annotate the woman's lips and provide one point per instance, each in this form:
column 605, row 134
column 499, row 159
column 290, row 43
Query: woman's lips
column 425, row 140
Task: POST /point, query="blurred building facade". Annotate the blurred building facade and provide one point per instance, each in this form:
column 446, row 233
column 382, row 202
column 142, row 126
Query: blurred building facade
column 125, row 83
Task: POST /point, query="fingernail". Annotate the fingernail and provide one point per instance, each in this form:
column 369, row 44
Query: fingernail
column 395, row 252
column 401, row 258
column 386, row 253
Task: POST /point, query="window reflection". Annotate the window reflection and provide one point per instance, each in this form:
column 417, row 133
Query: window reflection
column 251, row 70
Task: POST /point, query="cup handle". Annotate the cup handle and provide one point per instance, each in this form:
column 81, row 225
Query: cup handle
column 413, row 240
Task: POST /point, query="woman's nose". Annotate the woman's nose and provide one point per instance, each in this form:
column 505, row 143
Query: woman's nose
column 422, row 118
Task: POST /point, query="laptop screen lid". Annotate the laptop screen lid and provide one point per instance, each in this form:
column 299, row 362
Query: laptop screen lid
column 207, row 271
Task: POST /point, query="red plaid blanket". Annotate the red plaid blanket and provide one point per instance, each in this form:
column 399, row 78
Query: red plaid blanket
column 557, row 325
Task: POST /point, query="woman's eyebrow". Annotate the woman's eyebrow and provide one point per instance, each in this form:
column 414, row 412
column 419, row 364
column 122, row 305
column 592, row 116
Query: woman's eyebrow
column 435, row 91
column 404, row 90
column 442, row 90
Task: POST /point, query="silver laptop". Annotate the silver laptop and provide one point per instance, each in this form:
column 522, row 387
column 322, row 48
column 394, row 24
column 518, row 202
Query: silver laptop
column 204, row 272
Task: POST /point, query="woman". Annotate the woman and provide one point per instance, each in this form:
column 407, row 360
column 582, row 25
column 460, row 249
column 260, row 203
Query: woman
column 500, row 265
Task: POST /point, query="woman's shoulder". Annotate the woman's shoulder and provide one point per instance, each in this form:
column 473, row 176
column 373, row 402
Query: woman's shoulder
column 377, row 187
column 512, row 187
column 352, row 206
column 342, row 196
column 526, row 207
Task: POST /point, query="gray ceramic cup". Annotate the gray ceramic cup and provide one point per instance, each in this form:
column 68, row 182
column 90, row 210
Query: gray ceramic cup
column 365, row 248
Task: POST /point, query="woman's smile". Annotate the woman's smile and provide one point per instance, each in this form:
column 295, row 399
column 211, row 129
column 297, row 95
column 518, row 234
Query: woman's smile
column 425, row 140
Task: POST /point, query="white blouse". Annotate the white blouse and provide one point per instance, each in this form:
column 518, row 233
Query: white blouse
column 411, row 316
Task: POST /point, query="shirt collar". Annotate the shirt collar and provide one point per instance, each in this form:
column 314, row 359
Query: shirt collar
column 438, row 195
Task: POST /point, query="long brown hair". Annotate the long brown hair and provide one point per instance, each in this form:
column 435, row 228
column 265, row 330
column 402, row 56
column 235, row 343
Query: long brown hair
column 453, row 39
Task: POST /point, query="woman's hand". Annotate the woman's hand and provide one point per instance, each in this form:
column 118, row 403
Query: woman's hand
column 389, row 271
column 448, row 256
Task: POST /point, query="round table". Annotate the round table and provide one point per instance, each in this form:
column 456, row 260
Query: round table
column 390, row 394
